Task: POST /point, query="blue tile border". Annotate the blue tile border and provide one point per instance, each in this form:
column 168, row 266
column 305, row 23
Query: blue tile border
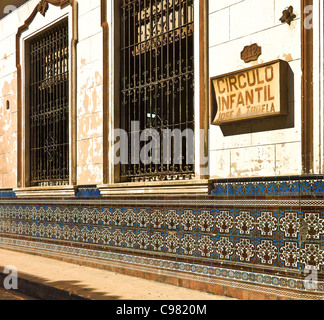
column 260, row 238
column 254, row 278
column 88, row 192
column 275, row 186
column 7, row 194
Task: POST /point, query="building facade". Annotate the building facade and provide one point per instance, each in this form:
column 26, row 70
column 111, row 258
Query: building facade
column 177, row 140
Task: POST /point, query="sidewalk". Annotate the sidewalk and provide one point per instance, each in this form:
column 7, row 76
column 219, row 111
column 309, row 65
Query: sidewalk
column 92, row 283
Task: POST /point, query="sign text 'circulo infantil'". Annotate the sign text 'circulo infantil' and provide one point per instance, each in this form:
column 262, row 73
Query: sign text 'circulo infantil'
column 251, row 93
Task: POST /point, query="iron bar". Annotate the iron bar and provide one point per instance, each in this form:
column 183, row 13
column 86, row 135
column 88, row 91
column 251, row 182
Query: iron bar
column 157, row 85
column 49, row 105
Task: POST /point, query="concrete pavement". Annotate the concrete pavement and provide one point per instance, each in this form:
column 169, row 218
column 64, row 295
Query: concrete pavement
column 55, row 279
column 13, row 295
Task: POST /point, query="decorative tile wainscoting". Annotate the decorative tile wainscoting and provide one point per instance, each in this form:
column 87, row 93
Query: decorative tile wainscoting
column 259, row 236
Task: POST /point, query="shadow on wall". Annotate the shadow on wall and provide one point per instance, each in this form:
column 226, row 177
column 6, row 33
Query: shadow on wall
column 267, row 124
column 7, row 6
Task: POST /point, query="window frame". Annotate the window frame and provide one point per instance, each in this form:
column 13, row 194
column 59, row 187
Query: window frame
column 173, row 82
column 64, row 24
column 45, row 15
column 201, row 100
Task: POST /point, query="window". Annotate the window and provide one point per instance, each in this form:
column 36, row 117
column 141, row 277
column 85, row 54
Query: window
column 157, row 86
column 49, row 107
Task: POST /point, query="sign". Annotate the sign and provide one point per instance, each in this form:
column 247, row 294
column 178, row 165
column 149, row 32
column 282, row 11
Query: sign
column 251, row 53
column 250, row 93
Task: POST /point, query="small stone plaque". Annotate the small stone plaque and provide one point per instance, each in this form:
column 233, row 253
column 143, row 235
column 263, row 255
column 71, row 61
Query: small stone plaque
column 251, row 53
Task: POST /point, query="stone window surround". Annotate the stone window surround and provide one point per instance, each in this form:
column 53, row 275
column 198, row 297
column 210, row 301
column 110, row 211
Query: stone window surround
column 111, row 183
column 111, row 175
column 54, row 11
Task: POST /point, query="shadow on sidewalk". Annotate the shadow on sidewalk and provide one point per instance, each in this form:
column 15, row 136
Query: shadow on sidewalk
column 43, row 289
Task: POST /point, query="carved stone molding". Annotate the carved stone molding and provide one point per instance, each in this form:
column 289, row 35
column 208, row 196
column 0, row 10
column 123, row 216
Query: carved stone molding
column 42, row 8
column 288, row 15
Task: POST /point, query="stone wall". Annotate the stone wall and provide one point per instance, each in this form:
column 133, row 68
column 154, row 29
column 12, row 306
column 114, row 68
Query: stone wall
column 258, row 235
column 253, row 148
column 256, row 147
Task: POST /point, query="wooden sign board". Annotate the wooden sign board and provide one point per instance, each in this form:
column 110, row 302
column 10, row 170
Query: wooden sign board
column 256, row 92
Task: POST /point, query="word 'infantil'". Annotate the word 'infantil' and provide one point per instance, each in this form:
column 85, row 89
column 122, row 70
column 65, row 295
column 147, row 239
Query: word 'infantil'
column 250, row 93
column 238, row 92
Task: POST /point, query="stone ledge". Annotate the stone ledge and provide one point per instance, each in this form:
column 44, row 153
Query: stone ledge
column 185, row 187
column 46, row 192
column 157, row 188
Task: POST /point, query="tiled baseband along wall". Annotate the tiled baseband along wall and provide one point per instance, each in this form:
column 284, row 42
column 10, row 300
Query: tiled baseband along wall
column 262, row 235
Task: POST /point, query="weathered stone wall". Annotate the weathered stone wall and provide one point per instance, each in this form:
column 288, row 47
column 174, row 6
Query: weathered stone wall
column 89, row 90
column 258, row 147
column 254, row 148
column 8, row 95
column 89, row 96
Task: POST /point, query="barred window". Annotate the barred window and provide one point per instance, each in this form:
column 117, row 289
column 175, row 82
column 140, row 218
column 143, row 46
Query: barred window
column 49, row 107
column 157, row 86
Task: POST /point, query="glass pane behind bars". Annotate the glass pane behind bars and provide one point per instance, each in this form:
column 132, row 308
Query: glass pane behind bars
column 157, row 83
column 49, row 107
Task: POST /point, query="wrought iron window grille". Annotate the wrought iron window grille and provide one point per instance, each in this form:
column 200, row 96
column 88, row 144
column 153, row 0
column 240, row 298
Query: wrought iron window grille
column 157, row 80
column 49, row 107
